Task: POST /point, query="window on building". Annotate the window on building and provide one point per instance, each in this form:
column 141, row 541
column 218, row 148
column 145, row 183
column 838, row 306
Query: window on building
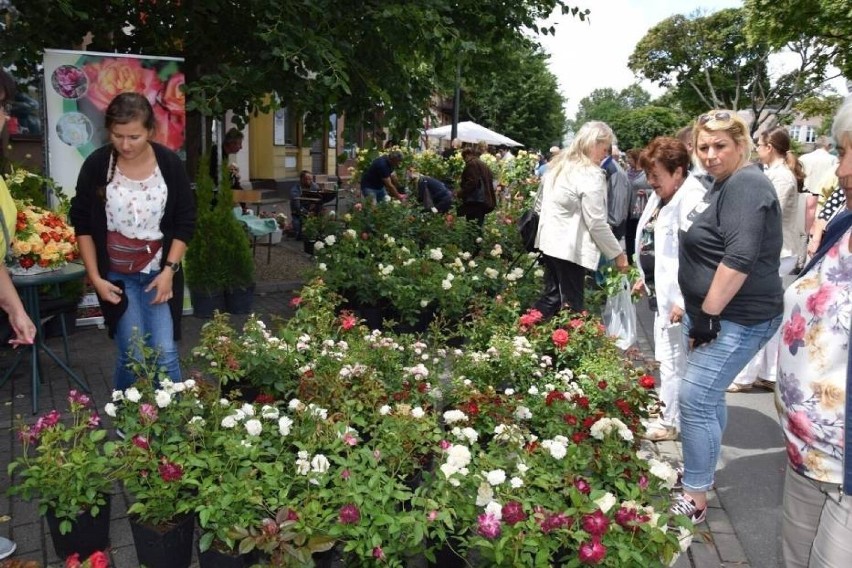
column 810, row 134
column 283, row 128
column 795, row 132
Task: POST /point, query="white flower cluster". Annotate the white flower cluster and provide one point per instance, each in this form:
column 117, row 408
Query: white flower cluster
column 558, row 446
column 350, row 233
column 515, row 274
column 467, row 433
column 447, row 282
column 496, row 251
column 453, row 416
column 315, row 466
column 606, row 425
column 511, row 433
column 385, row 270
column 523, row 413
column 491, row 273
column 521, row 346
column 436, row 254
column 330, row 240
column 458, row 458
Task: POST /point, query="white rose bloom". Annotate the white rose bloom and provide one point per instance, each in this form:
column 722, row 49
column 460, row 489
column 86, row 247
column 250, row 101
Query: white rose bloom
column 385, row 410
column 509, row 392
column 496, row 477
column 436, row 254
column 495, row 509
column 458, row 456
column 253, row 427
column 178, row 387
column 523, row 468
column 516, row 482
column 117, row 396
column 318, row 245
column 163, row 398
column 133, row 395
column 245, row 443
column 303, row 466
column 228, row 422
column 247, row 409
column 446, row 284
column 319, row 464
column 491, row 273
column 523, row 413
column 471, row 434
column 663, row 471
column 224, row 402
column 453, row 416
column 448, row 470
column 605, row 502
column 484, row 494
column 295, row 404
column 556, row 449
column 330, row 240
column 322, row 266
column 418, row 412
column 269, row 412
column 284, row 425
column 350, row 233
column 110, row 409
column 533, row 390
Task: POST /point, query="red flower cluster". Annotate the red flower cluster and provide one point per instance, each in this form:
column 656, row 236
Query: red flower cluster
column 553, row 396
column 513, row 512
column 646, row 381
column 349, row 514
column 530, row 318
column 170, row 471
column 97, row 559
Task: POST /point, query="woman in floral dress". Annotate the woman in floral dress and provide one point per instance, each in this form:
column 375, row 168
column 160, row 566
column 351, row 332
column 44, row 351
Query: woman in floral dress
column 813, row 390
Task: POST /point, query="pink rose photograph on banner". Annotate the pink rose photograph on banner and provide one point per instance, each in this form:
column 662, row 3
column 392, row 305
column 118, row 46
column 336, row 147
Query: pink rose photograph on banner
column 87, row 87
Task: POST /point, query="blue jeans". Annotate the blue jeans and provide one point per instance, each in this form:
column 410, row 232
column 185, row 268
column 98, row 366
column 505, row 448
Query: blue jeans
column 375, row 195
column 710, row 369
column 143, row 320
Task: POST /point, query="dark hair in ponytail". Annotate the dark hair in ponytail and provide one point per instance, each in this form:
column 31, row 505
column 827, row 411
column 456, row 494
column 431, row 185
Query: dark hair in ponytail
column 779, row 139
column 123, row 109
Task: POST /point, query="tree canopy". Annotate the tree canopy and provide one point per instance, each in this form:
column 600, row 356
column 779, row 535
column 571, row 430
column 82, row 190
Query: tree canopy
column 707, row 61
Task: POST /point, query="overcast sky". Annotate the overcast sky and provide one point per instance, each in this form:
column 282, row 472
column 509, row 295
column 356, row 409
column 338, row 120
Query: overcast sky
column 593, row 55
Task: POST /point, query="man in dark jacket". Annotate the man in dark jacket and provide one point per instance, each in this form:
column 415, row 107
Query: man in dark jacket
column 432, row 193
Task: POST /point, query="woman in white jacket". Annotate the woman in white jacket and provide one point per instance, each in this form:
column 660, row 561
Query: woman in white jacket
column 676, row 193
column 573, row 230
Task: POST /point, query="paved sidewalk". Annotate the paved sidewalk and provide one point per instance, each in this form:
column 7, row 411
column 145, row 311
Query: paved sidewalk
column 715, row 544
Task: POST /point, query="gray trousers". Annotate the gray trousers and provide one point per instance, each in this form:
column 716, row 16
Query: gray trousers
column 817, row 528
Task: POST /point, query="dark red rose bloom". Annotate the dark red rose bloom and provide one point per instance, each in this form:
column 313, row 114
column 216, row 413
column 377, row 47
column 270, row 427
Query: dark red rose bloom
column 579, row 437
column 623, row 406
column 141, row 442
column 596, row 523
column 582, row 486
column 602, row 385
column 170, row 471
column 349, row 514
column 581, row 401
column 264, row 398
column 553, row 521
column 471, row 409
column 624, row 516
column 513, row 512
column 589, row 421
column 570, row 419
column 553, row 396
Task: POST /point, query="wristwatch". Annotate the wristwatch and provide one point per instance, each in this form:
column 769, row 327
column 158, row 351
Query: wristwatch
column 175, row 266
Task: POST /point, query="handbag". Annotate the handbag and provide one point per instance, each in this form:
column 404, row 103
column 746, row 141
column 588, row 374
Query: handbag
column 528, row 228
column 127, row 255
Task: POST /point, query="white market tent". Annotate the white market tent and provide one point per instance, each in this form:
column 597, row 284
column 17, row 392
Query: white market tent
column 472, row 132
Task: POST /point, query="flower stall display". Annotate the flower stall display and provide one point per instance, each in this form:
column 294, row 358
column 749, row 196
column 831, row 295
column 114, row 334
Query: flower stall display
column 43, row 241
column 63, row 464
column 35, row 189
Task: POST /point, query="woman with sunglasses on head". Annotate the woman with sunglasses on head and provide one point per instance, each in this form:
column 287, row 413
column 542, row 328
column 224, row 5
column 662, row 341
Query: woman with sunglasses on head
column 134, row 214
column 728, row 273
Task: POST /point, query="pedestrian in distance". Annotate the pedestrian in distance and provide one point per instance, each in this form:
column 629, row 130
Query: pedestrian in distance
column 379, row 179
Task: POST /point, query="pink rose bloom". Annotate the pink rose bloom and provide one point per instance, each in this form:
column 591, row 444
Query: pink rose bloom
column 148, row 413
column 800, row 426
column 794, row 330
column 171, row 128
column 818, row 301
column 592, row 552
column 113, row 76
column 172, row 97
column 595, row 524
column 560, row 338
column 349, row 514
column 488, row 526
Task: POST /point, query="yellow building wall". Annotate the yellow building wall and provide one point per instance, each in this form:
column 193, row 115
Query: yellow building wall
column 267, row 161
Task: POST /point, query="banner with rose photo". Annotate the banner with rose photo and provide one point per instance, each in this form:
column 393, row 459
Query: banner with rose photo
column 78, row 87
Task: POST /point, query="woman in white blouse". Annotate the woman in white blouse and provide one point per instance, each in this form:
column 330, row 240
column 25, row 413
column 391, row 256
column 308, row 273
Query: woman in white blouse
column 573, row 230
column 134, row 214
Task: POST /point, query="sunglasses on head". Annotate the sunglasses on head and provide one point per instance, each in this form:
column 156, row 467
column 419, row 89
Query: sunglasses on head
column 721, row 115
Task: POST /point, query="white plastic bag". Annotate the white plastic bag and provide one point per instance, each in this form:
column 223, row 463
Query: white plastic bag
column 619, row 316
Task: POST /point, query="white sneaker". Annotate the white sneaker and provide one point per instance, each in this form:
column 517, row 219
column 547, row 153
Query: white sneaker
column 7, row 547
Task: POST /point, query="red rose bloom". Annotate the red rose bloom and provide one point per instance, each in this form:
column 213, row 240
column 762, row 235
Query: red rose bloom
column 559, row 338
column 646, row 381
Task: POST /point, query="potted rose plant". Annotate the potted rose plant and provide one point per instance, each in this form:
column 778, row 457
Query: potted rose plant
column 63, row 464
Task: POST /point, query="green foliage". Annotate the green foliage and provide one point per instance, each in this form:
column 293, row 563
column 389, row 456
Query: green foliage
column 63, row 463
column 220, row 257
column 637, row 127
column 826, row 22
column 609, row 106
